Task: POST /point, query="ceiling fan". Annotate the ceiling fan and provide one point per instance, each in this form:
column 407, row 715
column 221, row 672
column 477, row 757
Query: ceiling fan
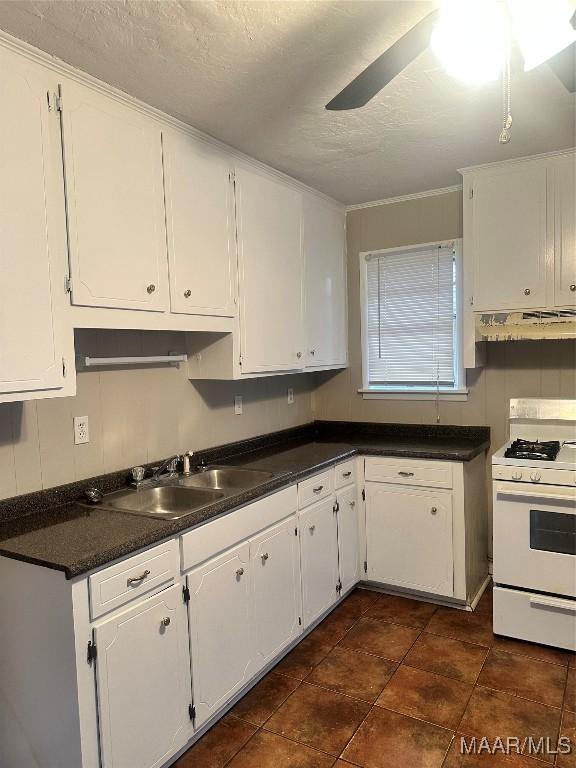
column 480, row 32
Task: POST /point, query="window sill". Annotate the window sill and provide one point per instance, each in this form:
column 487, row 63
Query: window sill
column 458, row 395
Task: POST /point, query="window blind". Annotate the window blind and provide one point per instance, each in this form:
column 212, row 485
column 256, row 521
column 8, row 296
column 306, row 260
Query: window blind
column 411, row 318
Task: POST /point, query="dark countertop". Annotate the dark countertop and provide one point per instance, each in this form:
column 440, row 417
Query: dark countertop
column 76, row 539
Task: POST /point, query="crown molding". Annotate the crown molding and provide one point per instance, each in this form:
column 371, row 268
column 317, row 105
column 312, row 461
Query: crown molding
column 515, row 160
column 404, row 198
column 60, row 67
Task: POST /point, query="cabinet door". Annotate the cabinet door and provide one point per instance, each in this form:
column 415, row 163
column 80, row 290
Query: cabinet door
column 32, row 232
column 324, row 283
column 200, row 226
column 409, row 538
column 276, row 590
column 115, row 203
column 348, row 537
column 270, row 273
column 565, row 231
column 221, row 639
column 319, row 559
column 509, row 238
column 143, row 679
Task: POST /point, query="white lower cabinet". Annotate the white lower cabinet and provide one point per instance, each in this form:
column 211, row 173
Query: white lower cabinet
column 318, row 559
column 348, row 531
column 143, row 690
column 220, row 615
column 274, row 560
column 409, row 538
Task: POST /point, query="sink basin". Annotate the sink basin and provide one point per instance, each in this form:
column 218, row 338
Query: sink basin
column 169, row 502
column 226, row 478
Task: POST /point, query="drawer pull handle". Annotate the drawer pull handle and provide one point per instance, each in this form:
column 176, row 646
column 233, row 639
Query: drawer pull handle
column 318, row 489
column 346, row 474
column 312, row 528
column 265, row 557
column 138, row 579
column 240, row 572
column 406, row 474
column 165, row 621
column 434, row 510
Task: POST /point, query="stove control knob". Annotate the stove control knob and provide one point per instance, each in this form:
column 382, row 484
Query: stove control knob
column 517, row 475
column 535, row 476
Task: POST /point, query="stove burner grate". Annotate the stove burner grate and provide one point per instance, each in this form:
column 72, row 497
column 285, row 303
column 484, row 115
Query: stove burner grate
column 535, row 450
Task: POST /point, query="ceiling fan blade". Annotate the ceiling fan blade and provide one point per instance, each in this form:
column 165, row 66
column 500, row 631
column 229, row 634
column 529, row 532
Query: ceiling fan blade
column 564, row 63
column 386, row 67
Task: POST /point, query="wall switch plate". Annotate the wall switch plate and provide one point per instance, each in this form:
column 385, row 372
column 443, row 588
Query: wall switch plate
column 238, row 405
column 290, row 395
column 81, row 432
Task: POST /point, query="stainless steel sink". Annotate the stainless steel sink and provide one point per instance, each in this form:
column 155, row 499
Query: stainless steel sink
column 226, row 478
column 169, row 502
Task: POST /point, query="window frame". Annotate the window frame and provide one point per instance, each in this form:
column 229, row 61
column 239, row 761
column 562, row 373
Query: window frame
column 379, row 392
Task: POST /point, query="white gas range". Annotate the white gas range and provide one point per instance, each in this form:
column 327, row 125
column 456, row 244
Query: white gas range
column 534, row 524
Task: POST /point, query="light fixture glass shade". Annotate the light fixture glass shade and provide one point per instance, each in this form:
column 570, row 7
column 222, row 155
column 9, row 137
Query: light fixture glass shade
column 542, row 28
column 471, row 39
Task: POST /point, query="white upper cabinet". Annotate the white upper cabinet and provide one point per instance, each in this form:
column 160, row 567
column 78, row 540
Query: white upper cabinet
column 200, row 226
column 269, row 216
column 325, row 315
column 115, row 202
column 565, row 230
column 34, row 340
column 509, row 237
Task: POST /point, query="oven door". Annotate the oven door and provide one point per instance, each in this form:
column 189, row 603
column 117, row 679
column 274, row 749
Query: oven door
column 535, row 537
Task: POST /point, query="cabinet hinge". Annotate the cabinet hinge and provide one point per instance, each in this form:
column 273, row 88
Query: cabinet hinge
column 68, row 284
column 336, row 507
column 63, row 368
column 192, row 712
column 339, row 586
column 471, row 301
column 295, row 531
column 186, row 594
column 471, row 193
column 365, row 566
column 300, row 620
column 363, row 494
column 240, row 360
column 92, row 652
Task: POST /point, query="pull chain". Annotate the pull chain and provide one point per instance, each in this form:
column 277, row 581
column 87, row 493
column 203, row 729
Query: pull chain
column 506, row 108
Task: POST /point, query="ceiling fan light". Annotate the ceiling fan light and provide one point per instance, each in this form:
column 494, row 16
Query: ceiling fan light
column 471, row 39
column 542, row 28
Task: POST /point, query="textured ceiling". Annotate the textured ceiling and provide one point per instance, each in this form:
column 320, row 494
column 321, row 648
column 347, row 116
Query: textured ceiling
column 257, row 75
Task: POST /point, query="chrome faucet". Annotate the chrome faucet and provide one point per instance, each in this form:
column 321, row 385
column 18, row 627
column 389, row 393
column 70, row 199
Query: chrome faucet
column 170, row 464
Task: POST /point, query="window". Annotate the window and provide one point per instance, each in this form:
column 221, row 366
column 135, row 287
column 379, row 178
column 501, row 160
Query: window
column 411, row 326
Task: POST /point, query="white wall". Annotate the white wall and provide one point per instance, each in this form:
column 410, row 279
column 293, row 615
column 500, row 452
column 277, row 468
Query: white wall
column 136, row 415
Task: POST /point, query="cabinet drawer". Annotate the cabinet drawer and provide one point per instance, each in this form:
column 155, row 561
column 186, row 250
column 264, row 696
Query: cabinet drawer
column 133, row 577
column 211, row 539
column 315, row 488
column 425, row 472
column 345, row 473
column 534, row 617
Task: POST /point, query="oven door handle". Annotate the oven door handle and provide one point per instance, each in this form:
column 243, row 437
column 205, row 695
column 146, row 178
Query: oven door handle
column 548, row 602
column 536, row 495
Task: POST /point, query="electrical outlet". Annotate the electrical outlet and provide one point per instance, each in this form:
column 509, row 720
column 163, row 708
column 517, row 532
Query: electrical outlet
column 81, row 433
column 290, row 395
column 238, row 405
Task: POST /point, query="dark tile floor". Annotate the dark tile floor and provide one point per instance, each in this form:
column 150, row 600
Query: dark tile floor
column 389, row 682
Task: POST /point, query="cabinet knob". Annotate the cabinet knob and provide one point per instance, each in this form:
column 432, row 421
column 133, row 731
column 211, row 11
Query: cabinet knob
column 151, row 288
column 265, row 557
column 352, row 504
column 165, row 621
column 573, row 287
column 434, row 510
column 298, row 355
column 187, row 293
column 312, row 351
column 311, row 528
column 526, row 291
column 240, row 572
